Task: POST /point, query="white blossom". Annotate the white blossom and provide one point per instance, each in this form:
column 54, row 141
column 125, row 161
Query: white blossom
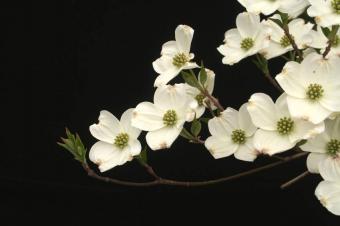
column 197, row 99
column 175, row 56
column 279, row 41
column 313, row 87
column 117, row 140
column 325, row 151
column 232, row 133
column 328, row 194
column 163, row 119
column 292, row 7
column 278, row 130
column 247, row 39
column 325, row 12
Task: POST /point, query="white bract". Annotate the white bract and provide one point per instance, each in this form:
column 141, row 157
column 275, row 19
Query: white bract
column 267, row 7
column 325, row 12
column 328, row 194
column 117, row 140
column 175, row 56
column 278, row 130
column 247, row 39
column 300, row 31
column 325, row 151
column 197, row 99
column 164, row 119
column 232, row 133
column 313, row 87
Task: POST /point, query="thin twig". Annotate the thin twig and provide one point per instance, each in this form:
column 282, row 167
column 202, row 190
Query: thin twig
column 213, row 99
column 161, row 181
column 272, row 80
column 294, row 180
column 292, row 42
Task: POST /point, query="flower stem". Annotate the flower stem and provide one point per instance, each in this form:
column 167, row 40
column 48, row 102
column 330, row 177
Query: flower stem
column 294, row 180
column 213, row 100
column 292, row 42
column 331, row 38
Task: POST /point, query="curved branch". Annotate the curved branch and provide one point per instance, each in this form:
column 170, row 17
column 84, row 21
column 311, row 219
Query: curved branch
column 331, row 40
column 213, row 100
column 162, row 181
column 292, row 42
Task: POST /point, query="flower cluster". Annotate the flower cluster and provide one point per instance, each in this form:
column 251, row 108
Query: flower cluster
column 305, row 116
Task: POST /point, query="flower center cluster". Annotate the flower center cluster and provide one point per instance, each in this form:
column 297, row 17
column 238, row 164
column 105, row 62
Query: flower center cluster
column 247, row 44
column 170, row 118
column 238, row 136
column 314, row 91
column 284, row 41
column 336, row 6
column 121, row 140
column 180, row 59
column 336, row 41
column 285, row 126
column 333, row 147
column 200, row 99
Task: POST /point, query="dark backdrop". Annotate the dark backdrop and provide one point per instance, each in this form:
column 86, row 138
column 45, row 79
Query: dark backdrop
column 92, row 55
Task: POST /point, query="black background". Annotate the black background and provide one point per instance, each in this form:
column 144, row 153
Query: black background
column 92, row 55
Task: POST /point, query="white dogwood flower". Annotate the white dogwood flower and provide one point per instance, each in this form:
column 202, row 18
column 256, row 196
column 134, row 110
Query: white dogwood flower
column 279, row 41
column 267, row 7
column 164, row 119
column 175, row 56
column 278, row 130
column 325, row 12
column 325, row 151
column 197, row 99
column 328, row 194
column 117, row 140
column 232, row 133
column 313, row 87
column 247, row 39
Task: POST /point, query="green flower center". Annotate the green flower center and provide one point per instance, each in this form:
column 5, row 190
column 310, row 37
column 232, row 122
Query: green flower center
column 200, row 99
column 180, row 59
column 284, row 41
column 336, row 6
column 121, row 140
column 247, row 44
column 336, row 41
column 285, row 126
column 170, row 118
column 314, row 91
column 238, row 136
column 333, row 147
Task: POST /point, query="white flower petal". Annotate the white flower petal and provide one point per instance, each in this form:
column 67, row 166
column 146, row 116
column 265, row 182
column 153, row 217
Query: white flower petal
column 316, row 144
column 107, row 128
column 245, row 121
column 329, row 195
column 147, row 117
column 171, row 97
column 125, row 122
column 246, row 152
column 170, row 48
column 262, row 111
column 220, row 147
column 271, row 142
column 163, row 138
column 219, row 127
column 134, row 147
column 184, row 35
column 330, row 169
column 107, row 156
column 304, row 130
column 313, row 161
column 311, row 111
column 248, row 24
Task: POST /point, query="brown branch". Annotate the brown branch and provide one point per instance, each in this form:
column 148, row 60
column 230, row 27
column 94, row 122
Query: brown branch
column 331, row 38
column 161, row 181
column 292, row 42
column 213, row 100
column 294, row 180
column 272, row 80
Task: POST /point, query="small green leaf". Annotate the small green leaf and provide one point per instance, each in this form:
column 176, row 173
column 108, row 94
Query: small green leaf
column 204, row 120
column 302, row 142
column 196, row 127
column 326, row 31
column 191, row 79
column 277, row 21
column 74, row 145
column 185, row 133
column 284, row 18
column 203, row 75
